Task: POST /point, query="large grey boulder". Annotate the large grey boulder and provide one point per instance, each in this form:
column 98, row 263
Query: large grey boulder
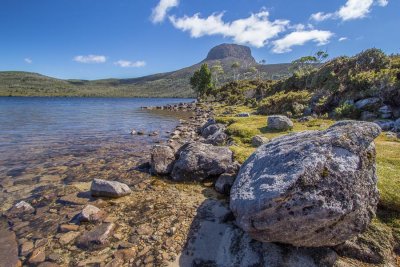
column 103, row 188
column 162, row 159
column 279, row 123
column 311, row 189
column 198, row 161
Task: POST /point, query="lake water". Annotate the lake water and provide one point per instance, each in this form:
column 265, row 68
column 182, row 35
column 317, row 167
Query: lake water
column 61, row 140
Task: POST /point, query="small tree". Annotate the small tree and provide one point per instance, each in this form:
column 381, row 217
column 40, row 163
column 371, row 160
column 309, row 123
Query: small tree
column 235, row 66
column 305, row 65
column 254, row 71
column 217, row 70
column 201, row 81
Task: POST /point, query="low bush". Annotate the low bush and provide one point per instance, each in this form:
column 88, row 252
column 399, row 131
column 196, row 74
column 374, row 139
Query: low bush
column 294, row 102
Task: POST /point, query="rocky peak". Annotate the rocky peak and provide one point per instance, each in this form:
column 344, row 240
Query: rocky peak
column 224, row 51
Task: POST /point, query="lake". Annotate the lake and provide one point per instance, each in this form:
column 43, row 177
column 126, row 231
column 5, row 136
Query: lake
column 61, row 140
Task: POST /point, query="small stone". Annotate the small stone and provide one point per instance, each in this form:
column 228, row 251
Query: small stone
column 224, row 183
column 25, row 206
column 48, row 264
column 68, row 237
column 243, row 114
column 144, row 229
column 133, row 132
column 103, row 188
column 26, row 248
column 124, row 244
column 55, row 257
column 279, row 123
column 171, row 231
column 37, row 256
column 259, row 140
column 64, row 228
column 91, row 214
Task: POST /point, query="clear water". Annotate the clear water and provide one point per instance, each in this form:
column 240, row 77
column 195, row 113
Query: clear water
column 58, row 140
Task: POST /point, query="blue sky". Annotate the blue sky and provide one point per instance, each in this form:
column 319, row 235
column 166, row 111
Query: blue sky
column 93, row 39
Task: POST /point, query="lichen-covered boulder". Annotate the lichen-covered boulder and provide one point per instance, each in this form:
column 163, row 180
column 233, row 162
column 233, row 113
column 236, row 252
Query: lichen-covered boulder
column 311, row 189
column 279, row 123
column 198, row 161
column 162, row 159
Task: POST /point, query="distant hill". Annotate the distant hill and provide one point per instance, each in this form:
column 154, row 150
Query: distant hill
column 169, row 84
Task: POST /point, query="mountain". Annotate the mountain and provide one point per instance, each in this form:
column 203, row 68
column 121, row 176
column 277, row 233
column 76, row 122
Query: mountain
column 169, row 84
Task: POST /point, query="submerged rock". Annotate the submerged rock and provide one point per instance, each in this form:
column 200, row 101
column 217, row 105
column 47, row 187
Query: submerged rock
column 311, row 189
column 279, row 123
column 103, row 188
column 8, row 248
column 91, row 214
column 97, row 238
column 198, row 161
column 162, row 159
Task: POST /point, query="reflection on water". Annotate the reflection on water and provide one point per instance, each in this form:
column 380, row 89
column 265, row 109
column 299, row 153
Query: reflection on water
column 54, row 140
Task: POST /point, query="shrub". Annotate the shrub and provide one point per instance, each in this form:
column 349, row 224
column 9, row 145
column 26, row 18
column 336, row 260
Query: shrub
column 370, row 59
column 281, row 102
column 347, row 110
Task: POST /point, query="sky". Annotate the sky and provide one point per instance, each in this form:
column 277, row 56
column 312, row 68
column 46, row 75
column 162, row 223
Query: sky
column 95, row 39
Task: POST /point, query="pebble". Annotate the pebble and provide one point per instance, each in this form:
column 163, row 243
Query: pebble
column 37, row 256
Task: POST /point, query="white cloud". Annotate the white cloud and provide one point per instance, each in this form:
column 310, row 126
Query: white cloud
column 321, row 16
column 341, row 39
column 90, row 59
column 130, row 64
column 28, row 60
column 352, row 9
column 255, row 30
column 300, row 38
column 382, row 3
column 160, row 11
column 355, row 9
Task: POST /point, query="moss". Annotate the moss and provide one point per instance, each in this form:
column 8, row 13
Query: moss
column 325, row 172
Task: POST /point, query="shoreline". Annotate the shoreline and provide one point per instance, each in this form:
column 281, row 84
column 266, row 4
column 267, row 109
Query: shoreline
column 161, row 223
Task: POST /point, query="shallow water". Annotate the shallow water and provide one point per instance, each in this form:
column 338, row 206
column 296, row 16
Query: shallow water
column 62, row 140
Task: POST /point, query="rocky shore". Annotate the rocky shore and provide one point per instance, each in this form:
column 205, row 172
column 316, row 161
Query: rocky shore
column 305, row 199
